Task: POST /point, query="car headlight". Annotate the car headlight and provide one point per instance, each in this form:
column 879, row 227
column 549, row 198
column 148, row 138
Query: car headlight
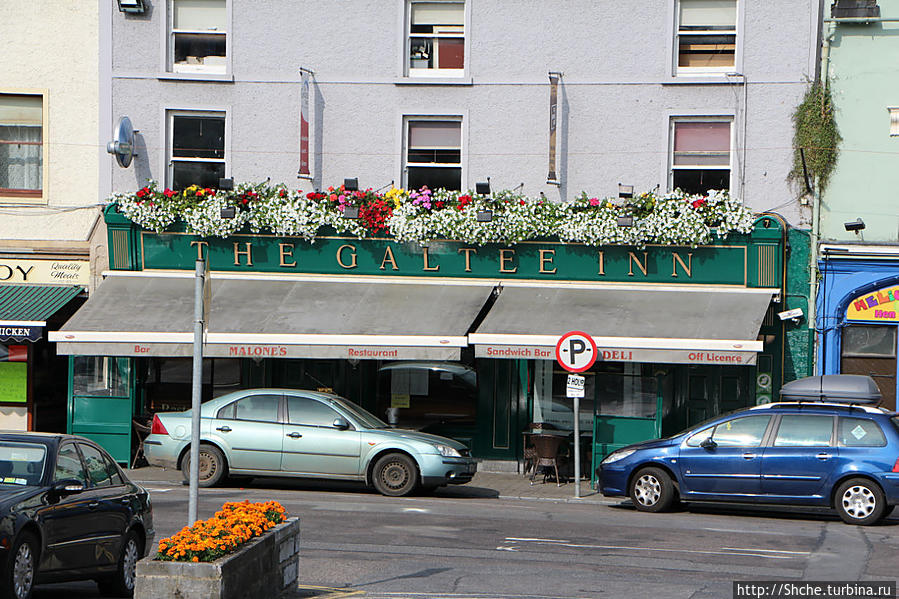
column 447, row 451
column 618, row 455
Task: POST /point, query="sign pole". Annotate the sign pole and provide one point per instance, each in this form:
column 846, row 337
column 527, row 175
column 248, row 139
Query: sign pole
column 197, row 386
column 577, row 447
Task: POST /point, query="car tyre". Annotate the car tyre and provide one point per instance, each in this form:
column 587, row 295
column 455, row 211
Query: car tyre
column 21, row 567
column 859, row 501
column 395, row 475
column 213, row 467
column 121, row 584
column 652, row 490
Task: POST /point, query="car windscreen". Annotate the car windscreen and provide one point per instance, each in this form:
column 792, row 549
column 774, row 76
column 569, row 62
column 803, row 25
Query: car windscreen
column 21, row 463
column 363, row 417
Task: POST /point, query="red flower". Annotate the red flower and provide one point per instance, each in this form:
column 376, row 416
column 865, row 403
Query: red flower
column 311, row 195
column 333, row 197
column 282, row 193
column 168, row 193
column 463, row 201
column 698, row 203
column 439, row 204
column 522, row 202
column 143, row 192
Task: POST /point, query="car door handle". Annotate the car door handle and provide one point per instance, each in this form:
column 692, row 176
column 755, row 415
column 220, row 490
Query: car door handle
column 294, row 435
column 93, row 505
column 224, row 429
column 748, row 456
column 823, row 456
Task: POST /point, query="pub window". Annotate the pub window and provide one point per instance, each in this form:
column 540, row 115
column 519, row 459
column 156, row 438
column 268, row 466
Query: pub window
column 433, row 153
column 870, row 350
column 436, row 39
column 706, row 36
column 196, row 149
column 21, row 147
column 168, row 381
column 101, row 376
column 198, row 36
column 700, row 154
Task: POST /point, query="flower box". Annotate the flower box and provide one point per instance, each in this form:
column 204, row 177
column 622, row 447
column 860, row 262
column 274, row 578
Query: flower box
column 266, row 566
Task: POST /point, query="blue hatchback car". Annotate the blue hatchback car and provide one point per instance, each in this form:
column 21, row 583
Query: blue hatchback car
column 826, row 449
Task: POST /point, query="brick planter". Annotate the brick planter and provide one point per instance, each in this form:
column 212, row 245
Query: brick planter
column 267, row 566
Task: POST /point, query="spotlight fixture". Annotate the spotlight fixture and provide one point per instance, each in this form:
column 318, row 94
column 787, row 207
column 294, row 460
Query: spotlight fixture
column 131, row 6
column 482, row 188
column 351, row 212
column 226, row 184
column 351, row 184
column 228, row 212
column 625, row 221
column 625, row 192
column 856, row 225
column 484, row 216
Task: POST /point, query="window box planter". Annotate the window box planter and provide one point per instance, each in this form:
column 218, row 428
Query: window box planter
column 266, row 566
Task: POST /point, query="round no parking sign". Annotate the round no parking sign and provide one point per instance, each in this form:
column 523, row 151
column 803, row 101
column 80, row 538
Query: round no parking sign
column 576, row 351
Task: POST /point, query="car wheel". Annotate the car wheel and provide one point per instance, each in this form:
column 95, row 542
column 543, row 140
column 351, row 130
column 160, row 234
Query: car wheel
column 395, row 475
column 859, row 501
column 21, row 567
column 652, row 490
column 121, row 584
column 212, row 466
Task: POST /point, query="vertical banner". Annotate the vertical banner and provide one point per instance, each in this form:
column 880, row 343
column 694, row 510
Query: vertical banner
column 304, row 124
column 552, row 177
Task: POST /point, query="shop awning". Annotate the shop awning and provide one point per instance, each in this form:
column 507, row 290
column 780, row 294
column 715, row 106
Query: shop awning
column 24, row 309
column 669, row 324
column 151, row 314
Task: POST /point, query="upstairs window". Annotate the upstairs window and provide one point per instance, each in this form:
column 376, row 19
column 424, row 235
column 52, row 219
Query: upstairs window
column 196, row 149
column 21, row 146
column 706, row 36
column 198, row 36
column 434, row 154
column 701, row 155
column 436, row 42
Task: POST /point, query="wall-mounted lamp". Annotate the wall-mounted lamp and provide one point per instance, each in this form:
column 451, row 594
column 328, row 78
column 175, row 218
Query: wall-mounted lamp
column 625, row 192
column 482, row 188
column 856, row 225
column 226, row 184
column 131, row 6
column 351, row 184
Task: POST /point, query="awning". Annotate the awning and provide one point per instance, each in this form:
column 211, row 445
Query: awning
column 24, row 309
column 630, row 323
column 151, row 314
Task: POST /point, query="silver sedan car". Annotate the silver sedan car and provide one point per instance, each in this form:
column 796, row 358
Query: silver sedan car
column 289, row 432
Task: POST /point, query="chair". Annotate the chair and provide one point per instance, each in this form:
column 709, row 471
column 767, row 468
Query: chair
column 140, row 433
column 529, row 455
column 547, row 449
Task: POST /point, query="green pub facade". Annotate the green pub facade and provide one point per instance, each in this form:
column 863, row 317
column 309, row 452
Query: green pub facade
column 450, row 338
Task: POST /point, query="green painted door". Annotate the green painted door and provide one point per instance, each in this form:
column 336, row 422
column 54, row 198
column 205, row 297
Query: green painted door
column 499, row 422
column 714, row 390
column 101, row 403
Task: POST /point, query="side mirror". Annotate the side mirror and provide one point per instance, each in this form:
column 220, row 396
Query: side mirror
column 69, row 486
column 707, row 443
column 340, row 424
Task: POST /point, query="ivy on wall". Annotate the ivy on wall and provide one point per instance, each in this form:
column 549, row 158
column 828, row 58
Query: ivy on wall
column 816, row 138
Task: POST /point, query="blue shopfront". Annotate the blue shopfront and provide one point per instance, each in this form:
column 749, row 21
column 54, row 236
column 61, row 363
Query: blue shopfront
column 857, row 309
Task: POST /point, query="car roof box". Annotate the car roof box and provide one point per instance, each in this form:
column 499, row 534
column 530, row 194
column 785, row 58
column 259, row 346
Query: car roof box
column 841, row 388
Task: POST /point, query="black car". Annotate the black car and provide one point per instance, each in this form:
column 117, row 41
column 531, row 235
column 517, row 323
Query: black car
column 68, row 512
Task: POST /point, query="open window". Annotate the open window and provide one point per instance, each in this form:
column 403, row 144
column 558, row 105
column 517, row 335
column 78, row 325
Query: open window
column 436, row 39
column 198, row 36
column 196, row 149
column 706, row 36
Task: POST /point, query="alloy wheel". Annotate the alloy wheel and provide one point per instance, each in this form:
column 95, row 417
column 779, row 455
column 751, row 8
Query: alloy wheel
column 129, row 563
column 23, row 570
column 648, row 489
column 858, row 501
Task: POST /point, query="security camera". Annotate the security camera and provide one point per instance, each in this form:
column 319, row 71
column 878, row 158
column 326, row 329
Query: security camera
column 856, row 225
column 794, row 314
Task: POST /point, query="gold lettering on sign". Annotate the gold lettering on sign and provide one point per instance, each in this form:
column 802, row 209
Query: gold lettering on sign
column 468, row 252
column 428, row 267
column 631, row 258
column 687, row 268
column 602, row 263
column 546, row 258
column 388, row 257
column 200, row 246
column 285, row 250
column 247, row 252
column 352, row 254
column 504, row 258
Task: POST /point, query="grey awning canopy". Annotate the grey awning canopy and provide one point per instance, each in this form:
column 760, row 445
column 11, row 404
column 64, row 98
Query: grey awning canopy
column 674, row 324
column 152, row 314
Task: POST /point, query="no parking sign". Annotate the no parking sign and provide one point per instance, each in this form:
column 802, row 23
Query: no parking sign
column 576, row 351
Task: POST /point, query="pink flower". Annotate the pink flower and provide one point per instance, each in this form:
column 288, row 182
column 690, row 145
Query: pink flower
column 594, row 201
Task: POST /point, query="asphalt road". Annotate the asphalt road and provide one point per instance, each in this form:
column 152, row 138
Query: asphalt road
column 357, row 543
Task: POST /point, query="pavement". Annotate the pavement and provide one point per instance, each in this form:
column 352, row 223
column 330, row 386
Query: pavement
column 499, row 485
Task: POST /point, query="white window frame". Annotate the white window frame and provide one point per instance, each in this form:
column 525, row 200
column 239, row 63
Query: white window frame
column 894, row 120
column 34, row 198
column 169, row 115
column 680, row 71
column 718, row 118
column 198, row 71
column 415, row 73
column 404, row 147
